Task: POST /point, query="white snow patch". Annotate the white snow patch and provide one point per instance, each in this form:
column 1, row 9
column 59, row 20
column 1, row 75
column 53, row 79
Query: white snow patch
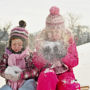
column 48, row 70
column 13, row 70
column 82, row 71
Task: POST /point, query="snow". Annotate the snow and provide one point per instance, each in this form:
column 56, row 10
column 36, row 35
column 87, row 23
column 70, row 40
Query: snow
column 13, row 70
column 2, row 81
column 48, row 70
column 82, row 71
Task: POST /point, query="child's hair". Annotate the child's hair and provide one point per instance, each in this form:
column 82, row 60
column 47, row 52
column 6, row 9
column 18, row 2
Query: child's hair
column 67, row 35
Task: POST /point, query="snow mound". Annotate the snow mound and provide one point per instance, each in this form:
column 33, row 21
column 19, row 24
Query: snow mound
column 82, row 71
column 13, row 70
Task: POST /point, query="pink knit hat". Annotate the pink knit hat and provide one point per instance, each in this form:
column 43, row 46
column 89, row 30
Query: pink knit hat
column 54, row 20
column 19, row 31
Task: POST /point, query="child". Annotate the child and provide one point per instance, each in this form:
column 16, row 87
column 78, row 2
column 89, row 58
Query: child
column 16, row 65
column 56, row 47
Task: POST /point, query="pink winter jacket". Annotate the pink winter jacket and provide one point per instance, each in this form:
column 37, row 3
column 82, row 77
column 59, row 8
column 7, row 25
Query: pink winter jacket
column 71, row 60
column 67, row 80
column 39, row 61
column 23, row 61
column 61, row 81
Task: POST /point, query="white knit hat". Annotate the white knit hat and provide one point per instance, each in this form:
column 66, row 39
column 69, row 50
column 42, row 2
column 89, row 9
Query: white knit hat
column 54, row 20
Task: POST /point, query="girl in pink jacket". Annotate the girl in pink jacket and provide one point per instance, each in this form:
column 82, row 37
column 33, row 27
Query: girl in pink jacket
column 16, row 65
column 56, row 55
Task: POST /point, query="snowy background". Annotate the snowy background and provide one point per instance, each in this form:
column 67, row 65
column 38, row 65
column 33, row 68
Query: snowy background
column 34, row 12
column 82, row 71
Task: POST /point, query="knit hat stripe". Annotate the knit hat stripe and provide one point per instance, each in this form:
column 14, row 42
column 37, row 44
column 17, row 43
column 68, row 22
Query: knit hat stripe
column 15, row 31
column 55, row 23
column 18, row 34
column 20, row 29
column 55, row 20
column 21, row 35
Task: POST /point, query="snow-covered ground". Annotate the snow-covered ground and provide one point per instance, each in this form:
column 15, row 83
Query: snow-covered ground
column 82, row 71
column 2, row 81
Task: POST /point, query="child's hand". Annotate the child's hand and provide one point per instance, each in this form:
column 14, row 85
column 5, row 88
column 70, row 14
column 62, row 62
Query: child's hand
column 15, row 78
column 8, row 76
column 12, row 78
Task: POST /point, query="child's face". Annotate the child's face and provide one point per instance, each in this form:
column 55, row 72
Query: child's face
column 54, row 35
column 16, row 45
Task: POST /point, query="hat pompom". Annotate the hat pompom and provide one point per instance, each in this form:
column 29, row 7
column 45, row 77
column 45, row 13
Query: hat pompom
column 54, row 10
column 22, row 23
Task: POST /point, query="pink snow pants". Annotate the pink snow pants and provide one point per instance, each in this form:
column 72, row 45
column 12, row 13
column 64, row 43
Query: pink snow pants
column 48, row 81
